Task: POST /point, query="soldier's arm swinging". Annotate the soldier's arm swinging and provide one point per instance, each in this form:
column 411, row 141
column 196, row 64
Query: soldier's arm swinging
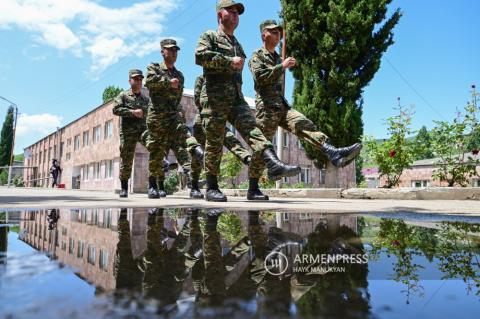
column 119, row 107
column 155, row 80
column 207, row 57
column 263, row 74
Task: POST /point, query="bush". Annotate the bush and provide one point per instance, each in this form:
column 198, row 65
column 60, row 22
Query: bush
column 395, row 154
column 171, row 182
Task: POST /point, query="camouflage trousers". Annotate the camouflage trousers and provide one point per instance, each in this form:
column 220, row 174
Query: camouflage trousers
column 165, row 135
column 270, row 118
column 215, row 115
column 128, row 143
column 230, row 142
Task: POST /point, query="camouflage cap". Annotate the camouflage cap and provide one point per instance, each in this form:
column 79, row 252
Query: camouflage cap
column 134, row 72
column 169, row 43
column 270, row 24
column 221, row 4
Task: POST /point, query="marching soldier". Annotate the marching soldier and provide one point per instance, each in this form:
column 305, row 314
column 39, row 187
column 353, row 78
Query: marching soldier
column 273, row 110
column 165, row 123
column 230, row 142
column 222, row 58
column 132, row 106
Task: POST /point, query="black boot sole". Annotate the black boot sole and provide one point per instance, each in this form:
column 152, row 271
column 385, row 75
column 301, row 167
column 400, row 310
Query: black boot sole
column 259, row 199
column 219, row 200
column 290, row 174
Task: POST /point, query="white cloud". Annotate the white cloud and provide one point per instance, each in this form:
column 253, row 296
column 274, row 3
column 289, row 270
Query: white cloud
column 106, row 34
column 40, row 124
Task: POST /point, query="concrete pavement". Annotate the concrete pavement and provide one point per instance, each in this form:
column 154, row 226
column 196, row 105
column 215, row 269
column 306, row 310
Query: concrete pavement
column 36, row 198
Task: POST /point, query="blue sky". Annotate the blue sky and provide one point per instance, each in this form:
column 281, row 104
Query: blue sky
column 59, row 55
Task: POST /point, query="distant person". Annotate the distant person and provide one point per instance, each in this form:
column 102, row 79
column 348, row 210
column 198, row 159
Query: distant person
column 55, row 170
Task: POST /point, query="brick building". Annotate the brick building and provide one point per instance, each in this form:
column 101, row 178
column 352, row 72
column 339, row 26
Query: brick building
column 419, row 175
column 88, row 152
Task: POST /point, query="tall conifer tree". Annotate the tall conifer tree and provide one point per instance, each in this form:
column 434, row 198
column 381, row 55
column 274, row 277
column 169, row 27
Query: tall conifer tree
column 6, row 138
column 338, row 45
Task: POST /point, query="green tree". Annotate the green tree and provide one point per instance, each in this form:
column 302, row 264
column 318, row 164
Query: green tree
column 6, row 138
column 110, row 92
column 395, row 154
column 423, row 145
column 451, row 144
column 230, row 168
column 338, row 46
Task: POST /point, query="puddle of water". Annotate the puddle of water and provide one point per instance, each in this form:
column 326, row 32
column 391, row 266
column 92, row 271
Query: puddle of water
column 254, row 264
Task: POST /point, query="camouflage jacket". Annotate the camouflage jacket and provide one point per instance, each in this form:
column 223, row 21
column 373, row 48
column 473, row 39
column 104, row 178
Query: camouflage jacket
column 197, row 92
column 215, row 52
column 165, row 99
column 267, row 74
column 123, row 105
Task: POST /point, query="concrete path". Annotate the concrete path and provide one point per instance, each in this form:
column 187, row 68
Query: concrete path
column 36, row 198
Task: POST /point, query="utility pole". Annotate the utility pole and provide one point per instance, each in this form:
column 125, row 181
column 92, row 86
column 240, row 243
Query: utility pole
column 13, row 141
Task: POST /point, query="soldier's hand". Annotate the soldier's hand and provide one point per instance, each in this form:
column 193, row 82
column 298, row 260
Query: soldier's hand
column 138, row 113
column 175, row 83
column 289, row 63
column 237, row 63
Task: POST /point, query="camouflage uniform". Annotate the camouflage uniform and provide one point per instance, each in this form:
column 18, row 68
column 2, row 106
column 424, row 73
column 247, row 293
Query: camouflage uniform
column 131, row 127
column 230, row 141
column 223, row 99
column 273, row 109
column 167, row 129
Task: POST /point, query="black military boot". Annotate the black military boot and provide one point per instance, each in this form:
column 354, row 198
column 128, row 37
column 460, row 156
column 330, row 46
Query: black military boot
column 167, row 166
column 254, row 192
column 124, row 190
column 247, row 160
column 161, row 189
column 152, row 187
column 277, row 169
column 198, row 153
column 195, row 190
column 341, row 157
column 213, row 193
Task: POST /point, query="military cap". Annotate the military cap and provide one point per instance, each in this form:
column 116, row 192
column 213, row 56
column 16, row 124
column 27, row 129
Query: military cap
column 221, row 4
column 169, row 43
column 270, row 24
column 134, row 72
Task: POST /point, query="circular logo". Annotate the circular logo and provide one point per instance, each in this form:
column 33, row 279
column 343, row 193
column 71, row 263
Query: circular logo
column 276, row 263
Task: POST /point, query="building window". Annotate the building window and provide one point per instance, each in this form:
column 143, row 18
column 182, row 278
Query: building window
column 94, row 219
column 69, row 141
column 91, row 254
column 419, row 184
column 85, row 138
column 103, row 262
column 97, row 136
column 476, row 183
column 61, row 150
column 64, row 246
column 45, row 156
column 304, row 216
column 285, row 179
column 304, row 176
column 76, row 142
column 299, row 145
column 107, row 218
column 109, row 169
column 285, row 139
column 80, row 247
column 68, row 156
column 323, row 176
column 96, row 170
column 71, row 245
column 40, row 158
column 64, row 231
column 108, row 129
column 285, row 217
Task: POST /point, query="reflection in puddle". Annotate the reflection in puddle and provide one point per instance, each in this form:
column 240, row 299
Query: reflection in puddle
column 212, row 263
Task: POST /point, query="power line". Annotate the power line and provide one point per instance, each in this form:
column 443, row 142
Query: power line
column 413, row 89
